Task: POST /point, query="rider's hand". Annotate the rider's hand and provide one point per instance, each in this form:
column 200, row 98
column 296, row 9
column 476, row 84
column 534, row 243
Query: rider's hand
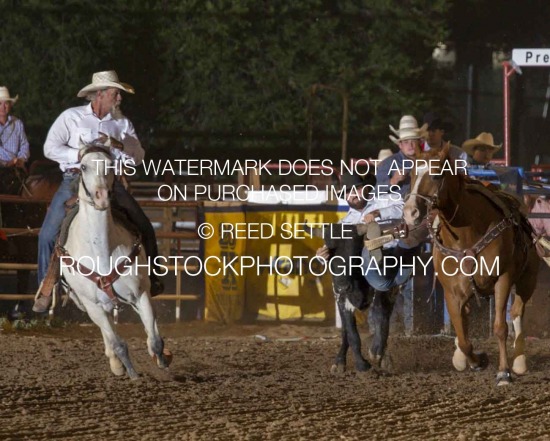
column 16, row 162
column 371, row 217
column 398, row 176
column 109, row 141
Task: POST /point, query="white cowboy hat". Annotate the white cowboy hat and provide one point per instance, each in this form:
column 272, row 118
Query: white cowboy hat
column 484, row 139
column 5, row 95
column 408, row 129
column 384, row 153
column 104, row 80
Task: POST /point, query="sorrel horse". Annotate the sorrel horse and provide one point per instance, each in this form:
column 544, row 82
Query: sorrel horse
column 38, row 187
column 482, row 246
column 104, row 264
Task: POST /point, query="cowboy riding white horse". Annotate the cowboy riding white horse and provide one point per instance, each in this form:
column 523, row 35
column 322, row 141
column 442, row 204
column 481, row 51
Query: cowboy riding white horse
column 98, row 262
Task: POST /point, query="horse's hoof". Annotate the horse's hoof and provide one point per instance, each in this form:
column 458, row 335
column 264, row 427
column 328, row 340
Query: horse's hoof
column 386, row 363
column 504, row 378
column 117, row 367
column 483, row 362
column 338, row 368
column 362, row 366
column 133, row 374
column 376, row 360
column 519, row 367
column 164, row 360
column 460, row 362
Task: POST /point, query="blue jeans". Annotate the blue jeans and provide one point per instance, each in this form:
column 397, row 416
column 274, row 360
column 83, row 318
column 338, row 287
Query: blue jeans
column 56, row 214
column 384, row 279
column 52, row 224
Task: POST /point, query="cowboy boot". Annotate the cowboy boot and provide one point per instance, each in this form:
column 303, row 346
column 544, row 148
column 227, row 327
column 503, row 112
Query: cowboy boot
column 42, row 302
column 374, row 246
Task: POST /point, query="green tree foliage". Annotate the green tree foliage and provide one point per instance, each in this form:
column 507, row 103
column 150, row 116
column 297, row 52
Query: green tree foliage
column 249, row 65
column 228, row 68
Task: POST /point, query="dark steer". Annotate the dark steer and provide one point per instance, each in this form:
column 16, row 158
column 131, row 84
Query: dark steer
column 351, row 291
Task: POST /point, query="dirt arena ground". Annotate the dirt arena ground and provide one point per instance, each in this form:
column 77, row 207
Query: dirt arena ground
column 225, row 383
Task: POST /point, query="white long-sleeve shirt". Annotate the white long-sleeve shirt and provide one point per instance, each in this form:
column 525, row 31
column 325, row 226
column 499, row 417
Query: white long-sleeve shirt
column 80, row 123
column 389, row 205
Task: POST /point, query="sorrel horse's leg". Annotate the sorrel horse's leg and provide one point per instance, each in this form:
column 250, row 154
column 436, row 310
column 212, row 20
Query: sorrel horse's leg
column 112, row 341
column 155, row 344
column 519, row 363
column 464, row 354
column 500, row 329
column 524, row 289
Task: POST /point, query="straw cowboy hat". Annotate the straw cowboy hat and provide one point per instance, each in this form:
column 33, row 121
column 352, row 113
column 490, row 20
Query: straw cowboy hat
column 435, row 122
column 484, row 139
column 5, row 95
column 384, row 153
column 104, row 80
column 408, row 129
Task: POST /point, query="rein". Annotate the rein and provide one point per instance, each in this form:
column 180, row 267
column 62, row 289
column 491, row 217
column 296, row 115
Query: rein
column 94, row 149
column 478, row 247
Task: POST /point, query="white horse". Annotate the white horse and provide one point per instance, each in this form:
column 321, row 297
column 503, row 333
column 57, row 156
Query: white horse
column 94, row 255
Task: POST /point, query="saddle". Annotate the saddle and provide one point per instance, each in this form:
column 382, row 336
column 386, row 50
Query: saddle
column 508, row 204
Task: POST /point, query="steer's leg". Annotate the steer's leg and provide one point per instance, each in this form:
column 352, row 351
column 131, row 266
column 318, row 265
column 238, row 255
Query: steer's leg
column 380, row 313
column 340, row 362
column 354, row 339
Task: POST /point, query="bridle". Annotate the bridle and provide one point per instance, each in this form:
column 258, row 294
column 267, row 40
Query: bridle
column 93, row 149
column 432, row 204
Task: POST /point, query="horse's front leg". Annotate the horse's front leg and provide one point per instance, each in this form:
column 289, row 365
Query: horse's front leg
column 114, row 345
column 519, row 364
column 155, row 343
column 500, row 329
column 464, row 354
column 117, row 368
column 524, row 290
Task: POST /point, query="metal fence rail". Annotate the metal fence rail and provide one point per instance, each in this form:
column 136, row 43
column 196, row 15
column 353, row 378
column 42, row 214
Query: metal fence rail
column 166, row 233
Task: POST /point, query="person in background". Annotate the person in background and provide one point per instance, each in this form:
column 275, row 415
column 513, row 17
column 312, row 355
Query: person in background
column 101, row 120
column 390, row 172
column 435, row 137
column 480, row 150
column 383, row 154
column 14, row 147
